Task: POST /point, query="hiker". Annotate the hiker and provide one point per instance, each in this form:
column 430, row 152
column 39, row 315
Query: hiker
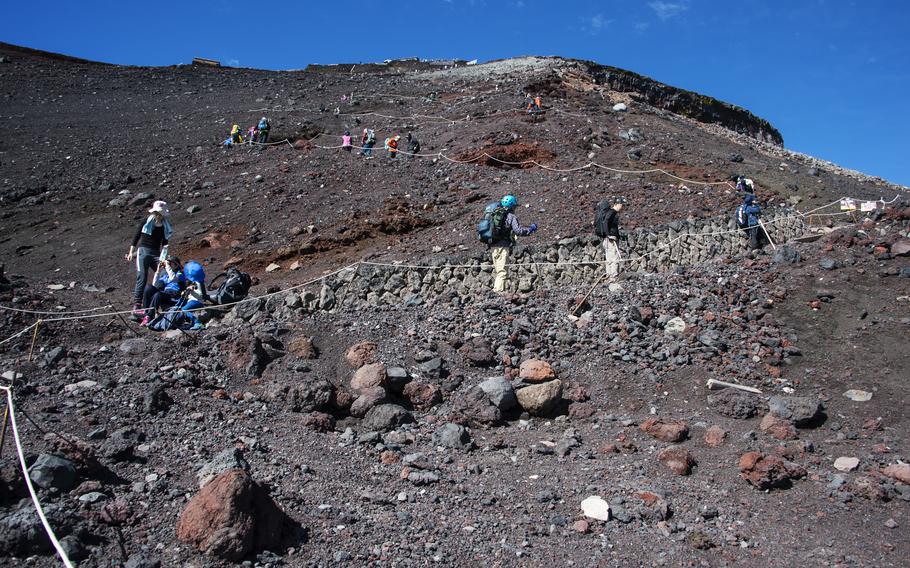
column 606, row 226
column 149, row 244
column 391, row 144
column 263, row 127
column 235, row 137
column 367, row 141
column 346, row 141
column 745, row 184
column 413, row 146
column 161, row 295
column 747, row 219
column 195, row 296
column 502, row 227
column 252, row 134
column 534, row 105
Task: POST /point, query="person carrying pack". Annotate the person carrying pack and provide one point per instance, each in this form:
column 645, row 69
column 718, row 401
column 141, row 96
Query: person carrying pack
column 346, row 141
column 234, row 288
column 264, row 126
column 745, row 184
column 497, row 230
column 391, row 144
column 606, row 226
column 413, row 146
column 235, row 137
column 367, row 141
column 185, row 315
column 747, row 219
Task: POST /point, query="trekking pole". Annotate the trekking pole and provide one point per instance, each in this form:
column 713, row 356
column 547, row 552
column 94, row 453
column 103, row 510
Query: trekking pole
column 596, row 284
column 762, row 223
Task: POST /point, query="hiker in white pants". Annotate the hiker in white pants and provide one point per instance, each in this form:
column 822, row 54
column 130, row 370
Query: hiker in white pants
column 606, row 226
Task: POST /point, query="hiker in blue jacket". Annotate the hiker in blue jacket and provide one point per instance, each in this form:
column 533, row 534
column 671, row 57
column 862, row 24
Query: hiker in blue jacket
column 163, row 294
column 747, row 219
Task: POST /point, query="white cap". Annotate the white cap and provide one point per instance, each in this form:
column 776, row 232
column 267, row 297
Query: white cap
column 160, row 207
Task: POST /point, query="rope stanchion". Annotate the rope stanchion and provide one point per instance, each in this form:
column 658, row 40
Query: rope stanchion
column 28, row 481
column 31, row 349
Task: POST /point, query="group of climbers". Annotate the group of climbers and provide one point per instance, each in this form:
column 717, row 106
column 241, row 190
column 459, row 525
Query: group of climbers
column 177, row 292
column 257, row 134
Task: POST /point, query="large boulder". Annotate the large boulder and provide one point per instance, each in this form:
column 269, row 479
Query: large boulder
column 368, row 399
column 421, row 395
column 53, row 471
column 536, row 371
column 768, row 471
column 734, row 403
column 225, row 460
column 677, row 458
column 477, row 408
column 500, row 392
column 307, row 395
column 386, row 417
column 453, row 436
column 368, row 376
column 801, row 411
column 231, row 517
column 541, row 399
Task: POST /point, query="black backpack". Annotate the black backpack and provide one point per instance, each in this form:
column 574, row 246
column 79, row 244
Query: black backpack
column 602, row 219
column 493, row 225
column 235, row 287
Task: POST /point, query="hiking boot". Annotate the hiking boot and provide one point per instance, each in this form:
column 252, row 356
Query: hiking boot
column 145, row 321
column 138, row 312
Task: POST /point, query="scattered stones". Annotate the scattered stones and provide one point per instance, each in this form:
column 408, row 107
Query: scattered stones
column 594, row 507
column 536, row 371
column 715, row 436
column 540, row 399
column 665, row 430
column 768, row 471
column 845, row 463
column 232, row 516
column 677, row 458
column 53, row 471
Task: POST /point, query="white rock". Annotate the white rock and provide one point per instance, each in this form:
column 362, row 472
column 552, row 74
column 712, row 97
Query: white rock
column 594, row 507
column 845, row 463
column 857, row 395
column 10, row 376
column 675, row 326
column 272, row 267
column 620, row 107
column 56, row 287
column 615, row 287
column 81, row 385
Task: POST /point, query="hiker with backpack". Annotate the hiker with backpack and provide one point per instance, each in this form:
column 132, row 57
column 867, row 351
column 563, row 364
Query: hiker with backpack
column 413, row 146
column 235, row 136
column 263, row 127
column 498, row 230
column 391, row 144
column 606, row 226
column 346, row 141
column 185, row 314
column 149, row 246
column 367, row 141
column 163, row 294
column 747, row 219
column 745, row 184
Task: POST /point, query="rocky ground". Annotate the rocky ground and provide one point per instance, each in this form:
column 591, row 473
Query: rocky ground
column 502, row 432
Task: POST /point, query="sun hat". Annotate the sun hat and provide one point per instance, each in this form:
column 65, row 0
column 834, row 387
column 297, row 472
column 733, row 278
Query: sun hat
column 160, row 207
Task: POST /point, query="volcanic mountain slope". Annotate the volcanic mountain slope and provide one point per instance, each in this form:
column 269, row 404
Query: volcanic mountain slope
column 392, row 453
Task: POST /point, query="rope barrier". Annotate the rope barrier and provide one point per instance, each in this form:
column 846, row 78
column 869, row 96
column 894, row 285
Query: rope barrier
column 28, row 481
column 41, row 313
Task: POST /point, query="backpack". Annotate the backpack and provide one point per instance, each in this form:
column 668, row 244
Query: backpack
column 493, row 225
column 263, row 125
column 175, row 318
column 601, row 220
column 235, row 287
column 371, row 136
column 742, row 220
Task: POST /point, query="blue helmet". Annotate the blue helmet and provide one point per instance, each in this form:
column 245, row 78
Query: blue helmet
column 509, row 201
column 194, row 271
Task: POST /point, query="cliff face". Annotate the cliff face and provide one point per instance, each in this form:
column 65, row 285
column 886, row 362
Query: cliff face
column 685, row 103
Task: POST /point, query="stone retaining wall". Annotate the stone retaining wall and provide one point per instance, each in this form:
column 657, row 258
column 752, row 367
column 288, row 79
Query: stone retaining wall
column 659, row 249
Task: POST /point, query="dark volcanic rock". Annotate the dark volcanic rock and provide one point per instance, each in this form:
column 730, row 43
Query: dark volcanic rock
column 735, row 404
column 385, row 417
column 800, row 410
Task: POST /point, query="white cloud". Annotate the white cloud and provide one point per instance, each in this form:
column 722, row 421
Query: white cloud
column 233, row 62
column 668, row 10
column 597, row 21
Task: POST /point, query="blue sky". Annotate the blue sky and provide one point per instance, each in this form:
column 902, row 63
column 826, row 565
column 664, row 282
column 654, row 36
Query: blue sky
column 832, row 76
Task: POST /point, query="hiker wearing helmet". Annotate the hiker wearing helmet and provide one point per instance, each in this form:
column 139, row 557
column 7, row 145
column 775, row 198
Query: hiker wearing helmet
column 149, row 244
column 747, row 219
column 263, row 128
column 498, row 230
column 606, row 226
column 161, row 295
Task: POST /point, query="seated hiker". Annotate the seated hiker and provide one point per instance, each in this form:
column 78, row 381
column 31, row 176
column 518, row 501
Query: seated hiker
column 534, row 105
column 235, row 137
column 163, row 294
column 346, row 141
column 413, row 145
column 195, row 296
column 747, row 219
column 264, row 126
